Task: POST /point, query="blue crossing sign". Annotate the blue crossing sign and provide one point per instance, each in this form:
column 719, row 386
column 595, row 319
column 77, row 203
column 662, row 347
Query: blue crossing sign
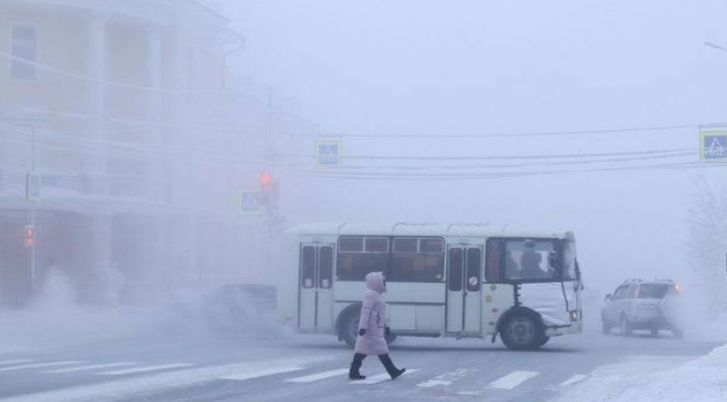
column 32, row 186
column 328, row 153
column 713, row 145
column 251, row 202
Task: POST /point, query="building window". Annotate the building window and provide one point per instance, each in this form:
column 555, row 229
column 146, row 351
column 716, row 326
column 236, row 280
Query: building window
column 24, row 46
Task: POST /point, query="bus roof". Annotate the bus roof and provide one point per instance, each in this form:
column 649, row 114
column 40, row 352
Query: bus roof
column 423, row 229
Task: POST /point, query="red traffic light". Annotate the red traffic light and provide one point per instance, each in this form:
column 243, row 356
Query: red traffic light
column 266, row 181
column 29, row 236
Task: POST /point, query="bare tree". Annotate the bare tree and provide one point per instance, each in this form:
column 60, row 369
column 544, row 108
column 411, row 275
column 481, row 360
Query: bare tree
column 708, row 244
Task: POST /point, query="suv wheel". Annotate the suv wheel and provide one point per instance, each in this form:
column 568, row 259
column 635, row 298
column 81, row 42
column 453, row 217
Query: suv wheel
column 605, row 328
column 626, row 327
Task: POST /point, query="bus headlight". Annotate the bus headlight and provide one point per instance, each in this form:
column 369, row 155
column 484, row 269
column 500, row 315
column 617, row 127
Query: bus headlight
column 574, row 315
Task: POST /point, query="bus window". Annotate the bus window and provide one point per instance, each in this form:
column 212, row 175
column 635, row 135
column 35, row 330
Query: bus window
column 405, row 245
column 569, row 260
column 455, row 269
column 474, row 261
column 355, row 260
column 435, row 246
column 410, row 264
column 494, row 251
column 351, row 244
column 325, row 267
column 528, row 260
column 308, row 267
column 377, row 245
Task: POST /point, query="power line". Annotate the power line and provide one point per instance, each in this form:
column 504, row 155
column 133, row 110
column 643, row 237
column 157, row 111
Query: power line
column 515, row 134
column 223, row 158
column 146, row 148
column 496, row 157
column 489, row 176
column 656, row 129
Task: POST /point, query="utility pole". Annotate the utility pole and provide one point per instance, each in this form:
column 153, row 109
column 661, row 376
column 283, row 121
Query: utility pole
column 270, row 212
column 33, row 216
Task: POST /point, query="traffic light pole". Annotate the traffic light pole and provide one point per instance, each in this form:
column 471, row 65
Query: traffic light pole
column 269, row 210
column 33, row 221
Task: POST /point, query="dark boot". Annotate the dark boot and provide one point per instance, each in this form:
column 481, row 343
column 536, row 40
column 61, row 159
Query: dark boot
column 353, row 373
column 390, row 368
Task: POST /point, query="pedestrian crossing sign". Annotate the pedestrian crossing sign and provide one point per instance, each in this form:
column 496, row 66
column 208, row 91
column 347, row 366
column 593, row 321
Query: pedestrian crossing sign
column 713, row 145
column 32, row 186
column 328, row 153
column 251, row 202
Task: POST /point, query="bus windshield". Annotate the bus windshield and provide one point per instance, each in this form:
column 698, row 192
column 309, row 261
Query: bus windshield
column 531, row 260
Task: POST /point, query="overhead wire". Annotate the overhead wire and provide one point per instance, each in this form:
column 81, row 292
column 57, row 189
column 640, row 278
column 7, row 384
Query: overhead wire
column 225, row 158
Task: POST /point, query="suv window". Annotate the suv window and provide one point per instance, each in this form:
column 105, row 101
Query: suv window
column 653, row 290
column 620, row 292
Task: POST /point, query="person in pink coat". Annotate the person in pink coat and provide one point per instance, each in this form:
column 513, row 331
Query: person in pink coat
column 372, row 329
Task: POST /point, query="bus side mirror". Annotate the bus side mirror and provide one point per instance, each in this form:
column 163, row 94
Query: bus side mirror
column 608, row 297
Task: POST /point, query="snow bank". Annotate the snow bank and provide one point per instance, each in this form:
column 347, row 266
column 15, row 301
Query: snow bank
column 656, row 379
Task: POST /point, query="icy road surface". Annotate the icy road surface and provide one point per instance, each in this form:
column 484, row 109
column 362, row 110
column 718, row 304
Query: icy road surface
column 314, row 368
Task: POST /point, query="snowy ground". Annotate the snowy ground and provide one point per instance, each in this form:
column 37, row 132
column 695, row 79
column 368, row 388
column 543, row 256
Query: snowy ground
column 56, row 352
column 98, row 366
column 655, row 378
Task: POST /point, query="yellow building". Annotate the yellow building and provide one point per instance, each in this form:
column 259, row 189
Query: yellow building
column 121, row 111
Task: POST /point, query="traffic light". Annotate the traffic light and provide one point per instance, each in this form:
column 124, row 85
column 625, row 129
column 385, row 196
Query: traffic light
column 29, row 235
column 268, row 190
column 266, row 181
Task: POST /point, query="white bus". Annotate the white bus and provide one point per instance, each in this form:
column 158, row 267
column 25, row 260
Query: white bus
column 442, row 280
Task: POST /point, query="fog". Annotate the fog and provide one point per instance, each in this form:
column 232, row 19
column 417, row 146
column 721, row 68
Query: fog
column 470, row 79
column 558, row 115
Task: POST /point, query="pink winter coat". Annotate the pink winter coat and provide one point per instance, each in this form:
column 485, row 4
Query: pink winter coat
column 373, row 317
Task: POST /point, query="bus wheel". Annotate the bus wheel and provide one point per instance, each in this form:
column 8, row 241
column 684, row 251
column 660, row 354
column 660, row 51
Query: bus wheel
column 543, row 341
column 349, row 329
column 523, row 332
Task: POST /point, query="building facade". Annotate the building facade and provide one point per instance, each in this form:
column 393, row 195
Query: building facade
column 119, row 113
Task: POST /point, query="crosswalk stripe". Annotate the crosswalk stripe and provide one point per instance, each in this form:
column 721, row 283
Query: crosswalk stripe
column 576, row 378
column 8, row 362
column 89, row 367
column 512, row 380
column 141, row 386
column 318, row 376
column 445, row 379
column 146, row 369
column 41, row 365
column 381, row 377
column 250, row 374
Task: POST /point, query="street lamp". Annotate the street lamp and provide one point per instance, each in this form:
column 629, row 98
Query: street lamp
column 715, row 46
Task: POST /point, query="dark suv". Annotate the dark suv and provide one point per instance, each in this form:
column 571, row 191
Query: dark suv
column 638, row 304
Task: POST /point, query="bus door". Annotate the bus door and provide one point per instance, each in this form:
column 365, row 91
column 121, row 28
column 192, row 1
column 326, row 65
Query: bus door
column 315, row 297
column 464, row 294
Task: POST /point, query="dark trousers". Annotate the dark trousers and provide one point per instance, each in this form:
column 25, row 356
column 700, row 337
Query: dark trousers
column 358, row 359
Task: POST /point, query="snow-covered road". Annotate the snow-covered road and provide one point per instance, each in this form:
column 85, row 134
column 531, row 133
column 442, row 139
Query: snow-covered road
column 313, row 368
